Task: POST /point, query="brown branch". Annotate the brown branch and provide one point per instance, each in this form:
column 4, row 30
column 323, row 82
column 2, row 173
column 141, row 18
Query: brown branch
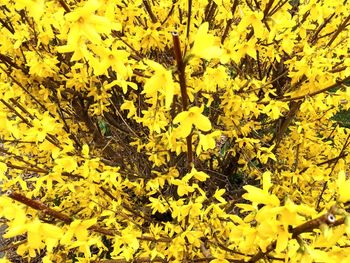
column 339, row 222
column 21, row 159
column 325, row 219
column 23, row 88
column 340, row 28
column 7, row 26
column 48, row 137
column 64, row 5
column 326, row 161
column 335, row 70
column 170, row 12
column 130, row 210
column 149, row 11
column 257, row 5
column 137, row 56
column 181, row 70
column 22, row 108
column 16, row 112
column 314, row 37
column 277, row 7
column 37, row 205
column 135, row 260
column 16, row 141
column 286, row 121
column 182, row 79
column 261, row 254
column 189, row 14
column 336, row 84
column 13, row 245
column 211, row 12
column 333, row 167
column 9, row 61
column 267, row 9
column 230, row 21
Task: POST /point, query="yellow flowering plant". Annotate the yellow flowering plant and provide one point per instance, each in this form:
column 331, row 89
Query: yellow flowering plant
column 175, row 131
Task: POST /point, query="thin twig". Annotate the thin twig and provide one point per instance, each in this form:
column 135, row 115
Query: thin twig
column 333, row 167
column 189, row 14
column 7, row 26
column 327, row 219
column 170, row 12
column 13, row 245
column 149, row 11
column 314, row 37
column 229, row 22
column 64, row 5
column 37, row 205
column 318, row 91
column 340, row 28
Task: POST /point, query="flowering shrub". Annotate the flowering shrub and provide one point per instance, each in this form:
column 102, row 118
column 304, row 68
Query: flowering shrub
column 175, row 131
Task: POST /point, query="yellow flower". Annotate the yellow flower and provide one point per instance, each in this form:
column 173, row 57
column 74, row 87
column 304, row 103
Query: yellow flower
column 110, row 57
column 261, row 196
column 129, row 105
column 161, row 81
column 204, row 45
column 157, row 205
column 67, row 164
column 42, row 126
column 218, row 196
column 343, row 188
column 207, row 141
column 85, row 23
column 191, row 117
column 200, row 176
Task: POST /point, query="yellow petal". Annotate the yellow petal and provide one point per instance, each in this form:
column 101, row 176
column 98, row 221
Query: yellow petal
column 203, row 123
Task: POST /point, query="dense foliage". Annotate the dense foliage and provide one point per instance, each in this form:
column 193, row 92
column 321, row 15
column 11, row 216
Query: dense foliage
column 175, row 131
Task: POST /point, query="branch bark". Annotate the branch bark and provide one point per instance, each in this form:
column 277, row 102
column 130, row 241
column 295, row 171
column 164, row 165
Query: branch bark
column 336, row 84
column 184, row 98
column 37, row 205
column 327, row 219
